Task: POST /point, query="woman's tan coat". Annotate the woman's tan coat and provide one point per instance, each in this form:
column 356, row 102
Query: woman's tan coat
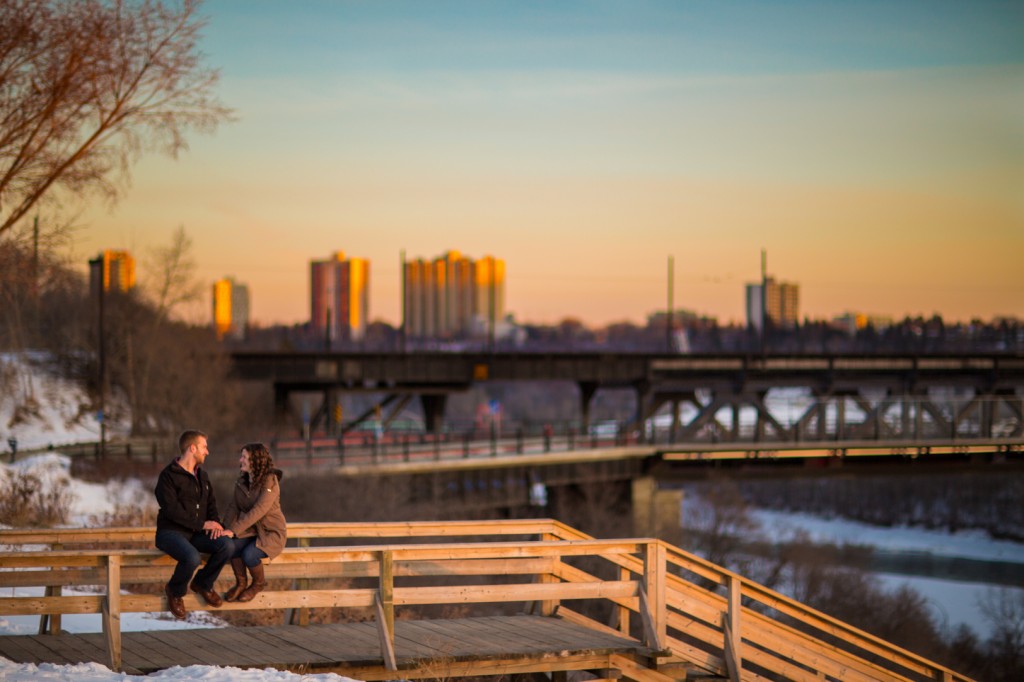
column 258, row 512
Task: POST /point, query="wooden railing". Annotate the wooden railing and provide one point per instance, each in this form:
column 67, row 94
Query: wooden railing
column 687, row 611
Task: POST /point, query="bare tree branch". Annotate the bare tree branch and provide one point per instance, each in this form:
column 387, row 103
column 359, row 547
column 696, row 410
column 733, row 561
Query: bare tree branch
column 85, row 86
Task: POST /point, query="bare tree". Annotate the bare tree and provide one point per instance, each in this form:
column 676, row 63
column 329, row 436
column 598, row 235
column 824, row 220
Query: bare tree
column 174, row 281
column 85, row 86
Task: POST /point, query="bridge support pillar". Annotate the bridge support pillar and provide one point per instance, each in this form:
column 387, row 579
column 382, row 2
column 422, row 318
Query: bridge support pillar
column 587, row 391
column 282, row 411
column 433, row 410
column 656, row 513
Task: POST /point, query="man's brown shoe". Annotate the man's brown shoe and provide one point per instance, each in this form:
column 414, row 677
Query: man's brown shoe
column 212, row 598
column 175, row 604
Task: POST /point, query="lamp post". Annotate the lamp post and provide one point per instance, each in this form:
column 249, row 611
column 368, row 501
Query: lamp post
column 96, row 275
column 671, row 304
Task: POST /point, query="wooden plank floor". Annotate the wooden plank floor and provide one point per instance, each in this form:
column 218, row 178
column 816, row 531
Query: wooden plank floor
column 352, row 648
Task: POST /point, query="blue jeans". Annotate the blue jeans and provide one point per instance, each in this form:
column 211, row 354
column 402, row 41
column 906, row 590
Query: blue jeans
column 246, row 549
column 186, row 549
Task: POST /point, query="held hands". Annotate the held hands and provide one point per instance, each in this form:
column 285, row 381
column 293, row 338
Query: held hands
column 215, row 530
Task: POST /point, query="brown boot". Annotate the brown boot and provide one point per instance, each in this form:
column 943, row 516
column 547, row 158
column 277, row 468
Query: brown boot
column 258, row 583
column 241, row 579
column 176, row 605
column 209, row 596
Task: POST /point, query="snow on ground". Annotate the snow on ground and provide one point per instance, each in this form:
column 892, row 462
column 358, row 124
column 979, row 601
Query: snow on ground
column 973, row 544
column 94, row 672
column 954, row 602
column 42, row 409
column 90, row 503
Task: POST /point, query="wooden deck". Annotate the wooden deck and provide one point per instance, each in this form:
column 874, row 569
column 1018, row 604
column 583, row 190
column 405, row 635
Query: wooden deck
column 668, row 614
column 433, row 648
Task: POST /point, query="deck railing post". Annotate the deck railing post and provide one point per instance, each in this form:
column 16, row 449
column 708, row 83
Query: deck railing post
column 50, row 622
column 112, row 611
column 387, row 592
column 300, row 616
column 731, row 630
column 654, row 592
column 622, row 612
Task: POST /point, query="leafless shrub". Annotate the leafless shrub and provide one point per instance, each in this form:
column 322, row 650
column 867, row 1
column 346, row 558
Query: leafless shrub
column 27, row 502
column 1005, row 612
column 137, row 512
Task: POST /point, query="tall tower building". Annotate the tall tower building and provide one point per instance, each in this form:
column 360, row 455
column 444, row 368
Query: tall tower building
column 113, row 270
column 452, row 296
column 488, row 290
column 230, row 308
column 781, row 303
column 340, row 297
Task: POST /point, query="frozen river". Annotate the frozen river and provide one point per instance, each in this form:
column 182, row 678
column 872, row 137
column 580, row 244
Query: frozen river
column 955, row 600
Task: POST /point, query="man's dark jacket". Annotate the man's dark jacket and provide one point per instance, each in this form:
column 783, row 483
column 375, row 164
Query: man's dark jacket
column 186, row 501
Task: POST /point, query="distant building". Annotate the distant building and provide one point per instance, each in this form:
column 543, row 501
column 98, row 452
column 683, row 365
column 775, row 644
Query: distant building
column 851, row 323
column 454, row 296
column 340, row 297
column 781, row 303
column 230, row 308
column 115, row 270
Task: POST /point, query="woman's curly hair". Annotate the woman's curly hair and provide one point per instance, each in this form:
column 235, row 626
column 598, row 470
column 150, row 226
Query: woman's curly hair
column 261, row 464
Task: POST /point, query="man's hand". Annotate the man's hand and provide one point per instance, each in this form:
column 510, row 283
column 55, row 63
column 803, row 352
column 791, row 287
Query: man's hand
column 213, row 529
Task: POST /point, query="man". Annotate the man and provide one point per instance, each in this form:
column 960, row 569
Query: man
column 188, row 524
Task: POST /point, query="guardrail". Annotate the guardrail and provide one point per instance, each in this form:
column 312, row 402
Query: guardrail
column 685, row 609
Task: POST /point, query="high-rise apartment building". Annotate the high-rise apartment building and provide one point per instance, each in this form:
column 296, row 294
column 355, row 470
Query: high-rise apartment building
column 453, row 296
column 340, row 297
column 114, row 270
column 781, row 303
column 230, row 308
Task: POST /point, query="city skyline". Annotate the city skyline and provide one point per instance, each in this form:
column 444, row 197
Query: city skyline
column 873, row 150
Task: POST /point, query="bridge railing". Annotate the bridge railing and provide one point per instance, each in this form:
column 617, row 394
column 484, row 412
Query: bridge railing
column 684, row 610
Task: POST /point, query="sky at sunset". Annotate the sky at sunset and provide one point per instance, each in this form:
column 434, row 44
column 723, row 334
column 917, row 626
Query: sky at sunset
column 875, row 150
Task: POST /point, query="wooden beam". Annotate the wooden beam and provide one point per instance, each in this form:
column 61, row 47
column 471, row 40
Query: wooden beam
column 730, row 652
column 647, row 620
column 473, row 594
column 654, row 592
column 631, row 670
column 386, row 635
column 477, row 668
column 386, row 592
column 112, row 612
column 733, row 658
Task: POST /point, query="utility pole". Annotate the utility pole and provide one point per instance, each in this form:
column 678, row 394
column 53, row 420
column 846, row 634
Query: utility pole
column 34, row 284
column 35, row 259
column 405, row 304
column 97, row 275
column 668, row 318
column 490, row 305
column 764, row 298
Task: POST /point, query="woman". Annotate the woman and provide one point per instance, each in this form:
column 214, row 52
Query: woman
column 254, row 517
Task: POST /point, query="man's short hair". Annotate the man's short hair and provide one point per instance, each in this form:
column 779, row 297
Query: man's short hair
column 187, row 438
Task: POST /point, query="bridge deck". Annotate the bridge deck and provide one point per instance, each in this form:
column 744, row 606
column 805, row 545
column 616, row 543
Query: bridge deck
column 423, row 648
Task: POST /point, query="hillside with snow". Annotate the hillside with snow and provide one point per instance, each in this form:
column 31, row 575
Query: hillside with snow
column 42, row 409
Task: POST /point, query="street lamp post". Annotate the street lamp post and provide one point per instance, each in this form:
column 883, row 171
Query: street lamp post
column 96, row 275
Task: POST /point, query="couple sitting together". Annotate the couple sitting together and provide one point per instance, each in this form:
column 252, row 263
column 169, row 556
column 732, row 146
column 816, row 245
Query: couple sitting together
column 188, row 524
